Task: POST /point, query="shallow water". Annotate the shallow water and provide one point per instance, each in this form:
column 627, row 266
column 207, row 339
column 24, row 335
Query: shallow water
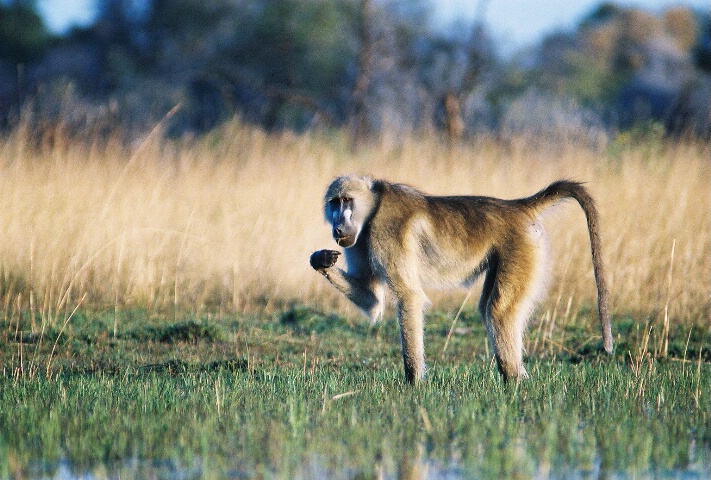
column 319, row 467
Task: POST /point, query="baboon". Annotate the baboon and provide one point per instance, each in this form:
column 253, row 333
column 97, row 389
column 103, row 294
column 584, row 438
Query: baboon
column 398, row 237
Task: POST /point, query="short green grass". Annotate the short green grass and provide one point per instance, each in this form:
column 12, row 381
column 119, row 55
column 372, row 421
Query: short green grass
column 302, row 393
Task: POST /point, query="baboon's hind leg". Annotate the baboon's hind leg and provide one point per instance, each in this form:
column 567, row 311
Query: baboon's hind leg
column 510, row 292
column 489, row 282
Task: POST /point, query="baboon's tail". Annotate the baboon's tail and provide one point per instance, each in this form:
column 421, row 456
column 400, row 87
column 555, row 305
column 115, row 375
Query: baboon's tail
column 561, row 190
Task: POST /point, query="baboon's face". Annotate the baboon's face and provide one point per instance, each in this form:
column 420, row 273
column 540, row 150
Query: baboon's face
column 349, row 202
column 345, row 229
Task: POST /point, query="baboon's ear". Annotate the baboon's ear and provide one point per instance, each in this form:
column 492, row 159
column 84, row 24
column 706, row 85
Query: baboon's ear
column 376, row 186
column 364, row 180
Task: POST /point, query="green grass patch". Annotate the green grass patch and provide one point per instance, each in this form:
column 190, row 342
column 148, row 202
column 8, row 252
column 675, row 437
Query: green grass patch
column 310, row 394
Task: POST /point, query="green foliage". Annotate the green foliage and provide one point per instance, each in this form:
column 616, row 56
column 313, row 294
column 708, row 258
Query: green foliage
column 649, row 135
column 23, row 35
column 299, row 53
column 604, row 12
column 702, row 49
column 590, row 81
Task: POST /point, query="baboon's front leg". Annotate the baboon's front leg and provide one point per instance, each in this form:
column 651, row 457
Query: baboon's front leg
column 410, row 317
column 364, row 291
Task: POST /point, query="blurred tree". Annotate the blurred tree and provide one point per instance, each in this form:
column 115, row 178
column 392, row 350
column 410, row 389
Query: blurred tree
column 183, row 34
column 23, row 35
column 360, row 129
column 634, row 63
column 116, row 34
column 281, row 62
column 24, row 41
column 452, row 69
column 702, row 48
column 421, row 76
column 680, row 23
column 377, row 66
column 301, row 52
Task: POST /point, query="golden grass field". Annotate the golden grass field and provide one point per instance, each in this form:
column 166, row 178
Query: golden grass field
column 226, row 223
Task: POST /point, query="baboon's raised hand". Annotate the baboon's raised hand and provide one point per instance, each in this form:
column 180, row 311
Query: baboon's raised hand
column 324, row 259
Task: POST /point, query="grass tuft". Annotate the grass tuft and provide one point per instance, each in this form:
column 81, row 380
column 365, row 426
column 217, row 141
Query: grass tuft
column 190, row 332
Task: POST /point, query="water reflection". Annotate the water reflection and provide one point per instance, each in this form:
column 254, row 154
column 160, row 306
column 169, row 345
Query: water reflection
column 414, row 466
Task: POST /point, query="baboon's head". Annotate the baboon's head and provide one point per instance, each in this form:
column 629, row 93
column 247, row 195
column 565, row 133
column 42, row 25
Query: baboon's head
column 350, row 202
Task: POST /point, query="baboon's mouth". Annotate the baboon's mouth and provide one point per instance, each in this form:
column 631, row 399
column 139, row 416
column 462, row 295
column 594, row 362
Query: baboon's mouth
column 345, row 241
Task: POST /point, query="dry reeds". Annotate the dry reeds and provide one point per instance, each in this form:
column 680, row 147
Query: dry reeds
column 227, row 223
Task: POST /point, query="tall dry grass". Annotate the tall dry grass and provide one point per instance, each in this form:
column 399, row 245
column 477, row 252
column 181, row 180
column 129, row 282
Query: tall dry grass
column 227, row 223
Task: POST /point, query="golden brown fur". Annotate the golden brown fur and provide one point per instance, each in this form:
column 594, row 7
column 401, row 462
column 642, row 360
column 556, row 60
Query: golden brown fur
column 399, row 237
